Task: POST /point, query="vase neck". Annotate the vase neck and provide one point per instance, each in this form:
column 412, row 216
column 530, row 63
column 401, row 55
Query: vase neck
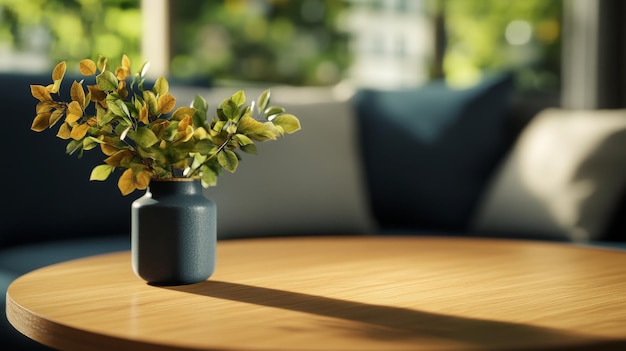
column 166, row 187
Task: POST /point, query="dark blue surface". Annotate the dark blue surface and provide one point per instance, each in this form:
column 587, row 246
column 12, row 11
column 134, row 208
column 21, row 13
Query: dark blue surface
column 174, row 233
column 428, row 151
column 48, row 193
column 15, row 261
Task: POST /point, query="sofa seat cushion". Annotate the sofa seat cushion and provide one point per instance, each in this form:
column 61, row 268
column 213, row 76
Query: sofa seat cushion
column 562, row 179
column 24, row 258
column 18, row 260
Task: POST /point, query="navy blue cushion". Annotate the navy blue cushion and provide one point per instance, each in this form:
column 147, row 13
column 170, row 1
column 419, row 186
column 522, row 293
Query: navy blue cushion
column 47, row 193
column 19, row 260
column 428, row 151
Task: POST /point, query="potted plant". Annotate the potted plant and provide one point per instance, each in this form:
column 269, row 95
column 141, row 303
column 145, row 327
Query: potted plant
column 171, row 152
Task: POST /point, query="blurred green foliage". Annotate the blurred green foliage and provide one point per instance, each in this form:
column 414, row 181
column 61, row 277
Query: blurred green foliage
column 523, row 36
column 292, row 42
column 281, row 41
column 69, row 30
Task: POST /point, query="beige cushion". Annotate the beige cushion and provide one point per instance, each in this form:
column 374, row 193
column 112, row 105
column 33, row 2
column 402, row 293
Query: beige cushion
column 562, row 178
column 309, row 182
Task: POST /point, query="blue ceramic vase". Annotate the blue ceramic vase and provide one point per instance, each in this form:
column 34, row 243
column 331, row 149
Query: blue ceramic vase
column 173, row 234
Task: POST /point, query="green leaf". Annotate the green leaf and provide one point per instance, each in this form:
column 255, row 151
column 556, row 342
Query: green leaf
column 154, row 153
column 205, row 147
column 272, row 111
column 96, row 140
column 242, row 139
column 161, row 86
column 115, row 106
column 200, row 104
column 256, row 130
column 144, row 137
column 250, row 148
column 288, row 122
column 124, row 107
column 73, row 146
column 230, row 128
column 263, row 101
column 150, row 99
column 228, row 160
column 101, row 63
column 106, row 118
column 89, row 143
column 208, row 177
column 229, row 109
column 218, row 126
column 198, row 160
column 101, row 172
column 239, row 98
column 107, row 81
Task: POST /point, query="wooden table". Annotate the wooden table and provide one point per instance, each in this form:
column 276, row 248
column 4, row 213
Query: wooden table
column 338, row 293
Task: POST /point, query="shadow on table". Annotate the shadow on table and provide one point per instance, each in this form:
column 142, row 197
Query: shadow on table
column 392, row 323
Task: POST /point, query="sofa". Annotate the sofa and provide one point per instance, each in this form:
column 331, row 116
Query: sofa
column 432, row 160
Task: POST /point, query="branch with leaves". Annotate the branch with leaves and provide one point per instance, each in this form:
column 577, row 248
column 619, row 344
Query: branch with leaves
column 142, row 132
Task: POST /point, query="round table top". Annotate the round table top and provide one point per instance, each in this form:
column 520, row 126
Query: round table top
column 338, row 293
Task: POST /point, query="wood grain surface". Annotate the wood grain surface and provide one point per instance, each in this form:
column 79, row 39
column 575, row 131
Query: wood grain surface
column 338, row 293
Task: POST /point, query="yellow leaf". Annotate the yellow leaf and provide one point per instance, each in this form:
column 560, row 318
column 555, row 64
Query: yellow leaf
column 92, row 121
column 200, row 133
column 41, row 122
column 142, row 180
column 56, row 116
column 120, row 158
column 166, row 103
column 57, row 76
column 59, row 71
column 126, row 182
column 122, row 72
column 183, row 112
column 71, row 118
column 184, row 123
column 45, row 106
column 107, row 149
column 40, row 93
column 160, row 126
column 143, row 114
column 77, row 93
column 75, row 108
column 64, row 131
column 54, row 88
column 183, row 135
column 87, row 67
column 126, row 61
column 96, row 93
column 121, row 89
column 79, row 131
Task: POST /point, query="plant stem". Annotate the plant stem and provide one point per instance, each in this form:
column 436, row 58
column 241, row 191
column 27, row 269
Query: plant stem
column 219, row 149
